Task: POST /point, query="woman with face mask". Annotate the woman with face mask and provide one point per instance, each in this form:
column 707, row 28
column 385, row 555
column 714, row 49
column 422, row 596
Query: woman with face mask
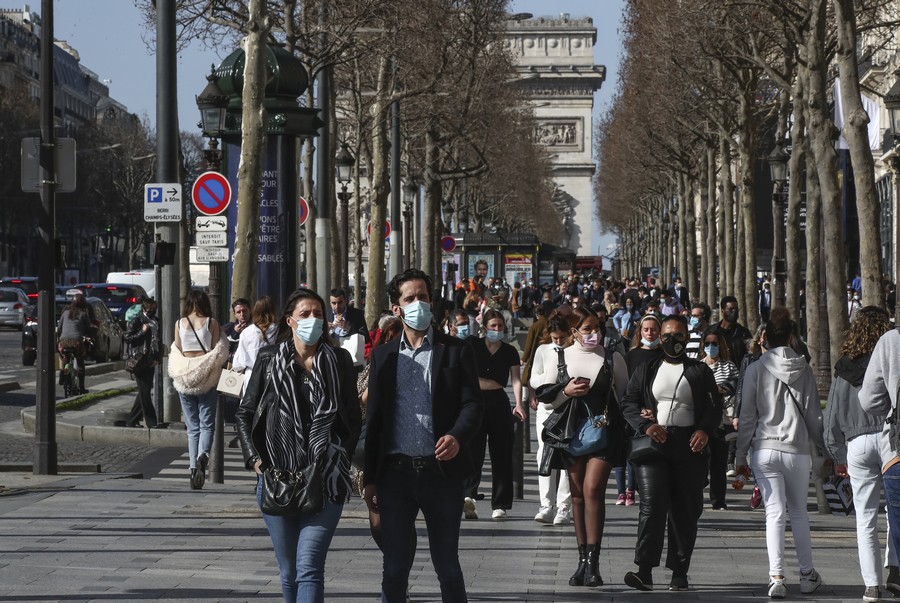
column 715, row 354
column 301, row 407
column 675, row 402
column 645, row 345
column 557, row 336
column 625, row 317
column 498, row 363
column 592, row 382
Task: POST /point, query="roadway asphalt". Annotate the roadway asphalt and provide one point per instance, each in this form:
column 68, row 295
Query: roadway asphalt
column 142, row 534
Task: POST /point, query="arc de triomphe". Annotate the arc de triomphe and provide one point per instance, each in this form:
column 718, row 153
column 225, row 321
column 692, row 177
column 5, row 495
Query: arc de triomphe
column 555, row 61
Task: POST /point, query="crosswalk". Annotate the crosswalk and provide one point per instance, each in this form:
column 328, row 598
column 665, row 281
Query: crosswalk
column 179, row 469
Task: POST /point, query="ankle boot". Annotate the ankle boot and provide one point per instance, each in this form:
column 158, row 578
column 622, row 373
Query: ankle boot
column 577, row 578
column 592, row 571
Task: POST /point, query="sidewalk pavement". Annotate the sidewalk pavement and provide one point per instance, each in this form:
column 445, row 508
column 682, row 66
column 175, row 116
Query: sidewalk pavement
column 116, row 537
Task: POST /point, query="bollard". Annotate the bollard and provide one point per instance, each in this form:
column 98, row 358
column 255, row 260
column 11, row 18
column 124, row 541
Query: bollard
column 217, row 462
column 518, row 469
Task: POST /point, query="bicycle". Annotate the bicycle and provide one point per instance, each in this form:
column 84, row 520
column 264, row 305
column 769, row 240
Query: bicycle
column 71, row 366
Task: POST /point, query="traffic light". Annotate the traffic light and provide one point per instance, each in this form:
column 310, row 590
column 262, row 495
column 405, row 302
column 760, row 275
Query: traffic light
column 163, row 253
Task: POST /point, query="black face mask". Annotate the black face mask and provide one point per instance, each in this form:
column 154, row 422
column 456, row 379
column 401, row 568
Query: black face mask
column 731, row 316
column 672, row 348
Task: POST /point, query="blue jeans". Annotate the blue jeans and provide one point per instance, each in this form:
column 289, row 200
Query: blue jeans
column 891, row 479
column 624, row 478
column 301, row 544
column 402, row 492
column 200, row 418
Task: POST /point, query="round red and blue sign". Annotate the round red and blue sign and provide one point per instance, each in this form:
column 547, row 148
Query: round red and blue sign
column 211, row 193
column 304, row 211
column 448, row 244
column 387, row 229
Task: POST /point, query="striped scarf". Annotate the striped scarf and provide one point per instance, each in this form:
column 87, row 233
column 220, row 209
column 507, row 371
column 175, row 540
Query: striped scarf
column 299, row 431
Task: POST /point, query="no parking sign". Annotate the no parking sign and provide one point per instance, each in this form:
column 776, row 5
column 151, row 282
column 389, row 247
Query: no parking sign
column 211, row 193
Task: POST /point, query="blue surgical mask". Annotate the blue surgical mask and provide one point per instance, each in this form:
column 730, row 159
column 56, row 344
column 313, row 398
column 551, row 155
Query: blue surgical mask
column 712, row 350
column 309, row 330
column 650, row 344
column 494, row 336
column 417, row 315
column 694, row 322
column 462, row 331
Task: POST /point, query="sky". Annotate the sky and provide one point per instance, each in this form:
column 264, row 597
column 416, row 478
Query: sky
column 111, row 41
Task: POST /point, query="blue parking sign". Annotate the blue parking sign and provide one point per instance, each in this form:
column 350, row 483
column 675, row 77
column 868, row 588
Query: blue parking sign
column 154, row 194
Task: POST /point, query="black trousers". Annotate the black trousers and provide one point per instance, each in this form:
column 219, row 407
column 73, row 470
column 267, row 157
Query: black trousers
column 496, row 434
column 143, row 402
column 671, row 498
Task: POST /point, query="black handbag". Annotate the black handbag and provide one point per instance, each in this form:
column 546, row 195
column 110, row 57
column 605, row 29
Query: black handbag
column 137, row 362
column 288, row 493
column 644, row 450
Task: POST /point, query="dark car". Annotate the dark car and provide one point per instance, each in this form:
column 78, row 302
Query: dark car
column 118, row 297
column 28, row 284
column 108, row 335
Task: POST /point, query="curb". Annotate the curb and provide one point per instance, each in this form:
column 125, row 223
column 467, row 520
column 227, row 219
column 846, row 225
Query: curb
column 9, row 385
column 103, row 434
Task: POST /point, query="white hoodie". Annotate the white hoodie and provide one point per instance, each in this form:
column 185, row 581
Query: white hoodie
column 770, row 417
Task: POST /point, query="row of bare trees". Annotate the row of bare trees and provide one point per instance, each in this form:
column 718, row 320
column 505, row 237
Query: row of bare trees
column 467, row 134
column 707, row 89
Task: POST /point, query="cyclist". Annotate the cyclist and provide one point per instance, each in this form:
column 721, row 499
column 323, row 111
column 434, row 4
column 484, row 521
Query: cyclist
column 74, row 328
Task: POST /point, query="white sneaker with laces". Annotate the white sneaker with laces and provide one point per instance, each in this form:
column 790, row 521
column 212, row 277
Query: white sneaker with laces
column 563, row 516
column 777, row 589
column 810, row 582
column 469, row 509
column 498, row 515
column 544, row 515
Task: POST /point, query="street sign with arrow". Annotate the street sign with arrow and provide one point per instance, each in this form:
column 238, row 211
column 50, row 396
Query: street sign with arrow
column 162, row 202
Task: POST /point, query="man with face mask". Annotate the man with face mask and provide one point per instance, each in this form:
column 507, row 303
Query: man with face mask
column 735, row 334
column 423, row 409
column 697, row 323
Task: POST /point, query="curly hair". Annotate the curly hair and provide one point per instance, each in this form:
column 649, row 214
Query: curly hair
column 556, row 324
column 869, row 324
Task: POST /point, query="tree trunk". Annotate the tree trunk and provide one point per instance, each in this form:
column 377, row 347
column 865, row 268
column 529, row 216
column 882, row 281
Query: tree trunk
column 856, row 122
column 690, row 218
column 815, row 335
column 726, row 215
column 381, row 188
column 253, row 140
column 712, row 294
column 432, row 201
column 705, row 262
column 337, row 276
column 356, row 227
column 310, row 227
column 747, row 149
column 683, row 193
column 822, row 146
column 794, row 281
column 739, row 265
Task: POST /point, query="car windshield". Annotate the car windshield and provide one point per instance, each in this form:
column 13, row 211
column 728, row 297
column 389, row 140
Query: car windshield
column 114, row 295
column 29, row 287
column 8, row 295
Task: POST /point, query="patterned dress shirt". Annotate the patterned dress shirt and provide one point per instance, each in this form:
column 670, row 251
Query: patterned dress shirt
column 413, row 422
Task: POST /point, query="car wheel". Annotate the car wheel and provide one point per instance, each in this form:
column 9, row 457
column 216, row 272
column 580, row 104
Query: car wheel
column 28, row 357
column 103, row 356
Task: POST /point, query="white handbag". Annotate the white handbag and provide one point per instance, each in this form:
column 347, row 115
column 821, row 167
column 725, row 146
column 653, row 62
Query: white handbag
column 231, row 383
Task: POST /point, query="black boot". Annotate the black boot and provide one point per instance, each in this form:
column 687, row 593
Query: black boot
column 592, row 571
column 577, row 578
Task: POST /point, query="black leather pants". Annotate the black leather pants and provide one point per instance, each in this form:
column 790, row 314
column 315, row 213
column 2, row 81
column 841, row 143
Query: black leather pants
column 671, row 495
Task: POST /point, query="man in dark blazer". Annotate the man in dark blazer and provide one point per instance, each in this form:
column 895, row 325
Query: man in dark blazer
column 344, row 320
column 424, row 406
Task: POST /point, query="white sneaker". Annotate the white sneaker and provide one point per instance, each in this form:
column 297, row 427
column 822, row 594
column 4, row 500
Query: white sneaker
column 498, row 515
column 777, row 589
column 544, row 515
column 563, row 517
column 469, row 509
column 730, row 473
column 810, row 582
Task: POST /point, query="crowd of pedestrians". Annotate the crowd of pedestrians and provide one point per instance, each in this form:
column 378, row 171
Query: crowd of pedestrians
column 629, row 380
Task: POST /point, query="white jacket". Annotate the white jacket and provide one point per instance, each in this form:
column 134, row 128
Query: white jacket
column 780, row 406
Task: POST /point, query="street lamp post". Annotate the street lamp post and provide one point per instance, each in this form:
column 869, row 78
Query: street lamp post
column 778, row 161
column 410, row 193
column 344, row 163
column 213, row 104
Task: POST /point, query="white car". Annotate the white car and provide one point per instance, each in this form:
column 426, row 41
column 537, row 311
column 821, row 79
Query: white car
column 14, row 307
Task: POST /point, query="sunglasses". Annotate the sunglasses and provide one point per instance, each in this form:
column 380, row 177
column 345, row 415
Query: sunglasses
column 667, row 337
column 713, row 342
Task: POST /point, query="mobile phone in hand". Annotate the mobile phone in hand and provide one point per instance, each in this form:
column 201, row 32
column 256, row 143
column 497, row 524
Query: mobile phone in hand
column 580, row 380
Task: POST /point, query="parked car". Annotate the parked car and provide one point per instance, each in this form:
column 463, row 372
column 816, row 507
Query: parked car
column 108, row 335
column 15, row 307
column 144, row 277
column 28, row 284
column 117, row 296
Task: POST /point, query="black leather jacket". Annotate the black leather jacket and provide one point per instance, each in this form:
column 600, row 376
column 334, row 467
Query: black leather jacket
column 139, row 340
column 705, row 392
column 258, row 397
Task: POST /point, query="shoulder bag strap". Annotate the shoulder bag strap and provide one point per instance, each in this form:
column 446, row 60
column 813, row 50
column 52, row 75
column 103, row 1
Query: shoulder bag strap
column 562, row 374
column 202, row 347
